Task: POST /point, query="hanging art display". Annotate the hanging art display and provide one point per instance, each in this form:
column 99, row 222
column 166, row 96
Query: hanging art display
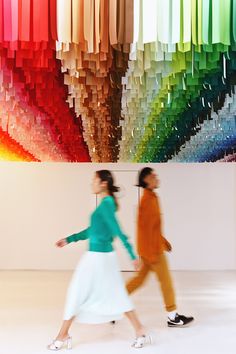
column 118, row 80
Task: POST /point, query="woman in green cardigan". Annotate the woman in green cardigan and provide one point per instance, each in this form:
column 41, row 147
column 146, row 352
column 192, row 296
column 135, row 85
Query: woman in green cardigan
column 97, row 293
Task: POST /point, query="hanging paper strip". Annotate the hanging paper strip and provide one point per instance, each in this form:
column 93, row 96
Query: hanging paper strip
column 12, row 150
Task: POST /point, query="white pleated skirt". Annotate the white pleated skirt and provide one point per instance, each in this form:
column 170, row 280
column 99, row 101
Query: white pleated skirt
column 97, row 293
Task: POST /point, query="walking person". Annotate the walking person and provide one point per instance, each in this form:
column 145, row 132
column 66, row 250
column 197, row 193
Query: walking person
column 97, row 293
column 151, row 246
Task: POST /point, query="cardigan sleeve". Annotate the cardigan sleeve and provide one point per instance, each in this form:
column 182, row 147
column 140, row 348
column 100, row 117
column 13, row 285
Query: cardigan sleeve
column 108, row 214
column 83, row 235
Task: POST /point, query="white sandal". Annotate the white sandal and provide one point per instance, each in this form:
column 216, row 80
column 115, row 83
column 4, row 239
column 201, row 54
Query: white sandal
column 59, row 344
column 142, row 340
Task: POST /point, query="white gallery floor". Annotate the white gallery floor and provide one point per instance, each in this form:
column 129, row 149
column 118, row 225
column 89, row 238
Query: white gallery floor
column 31, row 305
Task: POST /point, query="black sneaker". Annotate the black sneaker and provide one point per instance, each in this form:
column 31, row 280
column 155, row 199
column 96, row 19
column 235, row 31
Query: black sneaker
column 179, row 321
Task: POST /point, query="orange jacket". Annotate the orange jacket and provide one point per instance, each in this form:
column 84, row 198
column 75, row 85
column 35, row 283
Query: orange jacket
column 150, row 241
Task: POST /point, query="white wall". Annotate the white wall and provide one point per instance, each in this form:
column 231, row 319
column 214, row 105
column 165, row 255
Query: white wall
column 41, row 203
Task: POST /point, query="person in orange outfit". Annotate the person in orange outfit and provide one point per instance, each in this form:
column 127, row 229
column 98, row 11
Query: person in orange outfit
column 152, row 245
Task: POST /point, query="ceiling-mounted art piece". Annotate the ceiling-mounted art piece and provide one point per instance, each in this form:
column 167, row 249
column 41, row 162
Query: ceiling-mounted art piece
column 118, row 80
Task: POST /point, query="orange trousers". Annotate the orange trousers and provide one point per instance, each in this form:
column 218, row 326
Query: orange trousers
column 162, row 272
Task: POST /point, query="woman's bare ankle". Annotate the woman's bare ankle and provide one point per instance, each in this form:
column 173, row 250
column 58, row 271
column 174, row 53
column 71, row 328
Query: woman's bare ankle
column 62, row 337
column 140, row 332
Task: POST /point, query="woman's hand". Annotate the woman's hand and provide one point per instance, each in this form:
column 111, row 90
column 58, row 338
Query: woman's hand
column 168, row 246
column 61, row 243
column 137, row 264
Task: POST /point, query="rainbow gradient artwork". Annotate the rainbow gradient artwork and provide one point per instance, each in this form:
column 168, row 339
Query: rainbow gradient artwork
column 118, row 80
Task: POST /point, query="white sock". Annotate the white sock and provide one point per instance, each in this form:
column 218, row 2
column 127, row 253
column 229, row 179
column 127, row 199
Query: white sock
column 171, row 315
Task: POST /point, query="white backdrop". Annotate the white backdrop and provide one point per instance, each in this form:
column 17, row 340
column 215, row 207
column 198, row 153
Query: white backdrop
column 41, row 203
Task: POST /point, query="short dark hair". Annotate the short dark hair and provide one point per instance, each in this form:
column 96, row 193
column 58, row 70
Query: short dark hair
column 142, row 175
